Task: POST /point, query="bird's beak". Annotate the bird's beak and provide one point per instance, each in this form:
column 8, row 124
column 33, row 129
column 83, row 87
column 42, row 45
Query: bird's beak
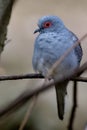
column 37, row 30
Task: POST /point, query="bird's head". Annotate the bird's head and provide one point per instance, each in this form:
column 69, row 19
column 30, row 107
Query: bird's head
column 49, row 24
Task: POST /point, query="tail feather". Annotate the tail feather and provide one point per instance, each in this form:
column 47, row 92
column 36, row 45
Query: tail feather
column 60, row 95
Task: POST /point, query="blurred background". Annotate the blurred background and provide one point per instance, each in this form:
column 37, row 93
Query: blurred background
column 17, row 59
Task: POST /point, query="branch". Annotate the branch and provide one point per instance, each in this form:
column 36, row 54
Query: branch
column 73, row 112
column 35, row 76
column 79, row 79
column 27, row 95
column 21, row 76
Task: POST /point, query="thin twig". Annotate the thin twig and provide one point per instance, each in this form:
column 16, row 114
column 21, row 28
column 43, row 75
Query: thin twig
column 35, row 76
column 80, row 79
column 72, row 117
column 28, row 113
column 21, row 76
column 27, row 95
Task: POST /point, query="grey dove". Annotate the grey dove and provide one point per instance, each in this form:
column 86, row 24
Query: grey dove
column 51, row 43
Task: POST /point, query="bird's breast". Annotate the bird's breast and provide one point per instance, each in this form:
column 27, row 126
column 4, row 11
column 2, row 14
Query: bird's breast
column 48, row 49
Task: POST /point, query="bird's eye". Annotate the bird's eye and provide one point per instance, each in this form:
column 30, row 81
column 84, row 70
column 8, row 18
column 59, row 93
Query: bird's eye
column 47, row 24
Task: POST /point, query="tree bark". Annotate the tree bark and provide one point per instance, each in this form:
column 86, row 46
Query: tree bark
column 5, row 14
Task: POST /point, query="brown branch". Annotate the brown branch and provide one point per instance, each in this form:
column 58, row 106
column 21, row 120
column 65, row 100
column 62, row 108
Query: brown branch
column 79, row 79
column 21, row 76
column 27, row 95
column 35, row 76
column 73, row 112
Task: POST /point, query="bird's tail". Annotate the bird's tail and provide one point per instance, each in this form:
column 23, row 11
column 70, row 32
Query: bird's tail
column 60, row 95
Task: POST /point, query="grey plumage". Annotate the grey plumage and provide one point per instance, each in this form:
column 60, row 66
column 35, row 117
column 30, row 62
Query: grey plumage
column 54, row 39
column 60, row 96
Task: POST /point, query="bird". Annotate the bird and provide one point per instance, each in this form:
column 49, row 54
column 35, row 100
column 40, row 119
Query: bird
column 52, row 42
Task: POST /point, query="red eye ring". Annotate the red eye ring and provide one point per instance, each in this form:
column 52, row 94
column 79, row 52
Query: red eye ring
column 47, row 24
